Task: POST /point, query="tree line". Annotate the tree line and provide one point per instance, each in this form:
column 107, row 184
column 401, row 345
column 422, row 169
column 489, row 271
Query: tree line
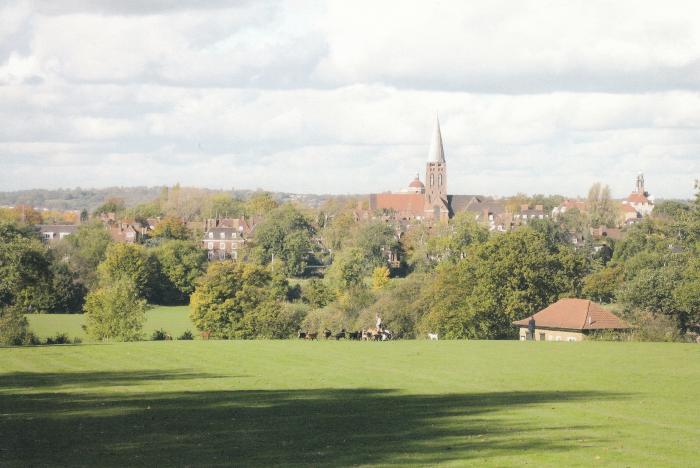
column 323, row 268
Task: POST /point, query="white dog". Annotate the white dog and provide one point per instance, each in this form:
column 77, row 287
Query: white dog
column 433, row 336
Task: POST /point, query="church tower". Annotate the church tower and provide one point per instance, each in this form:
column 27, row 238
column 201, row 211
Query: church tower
column 436, row 204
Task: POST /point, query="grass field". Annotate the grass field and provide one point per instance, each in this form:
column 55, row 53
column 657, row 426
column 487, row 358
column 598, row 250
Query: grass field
column 175, row 320
column 262, row 403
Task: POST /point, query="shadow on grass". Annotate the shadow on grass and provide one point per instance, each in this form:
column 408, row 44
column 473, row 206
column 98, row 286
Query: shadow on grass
column 328, row 427
column 27, row 380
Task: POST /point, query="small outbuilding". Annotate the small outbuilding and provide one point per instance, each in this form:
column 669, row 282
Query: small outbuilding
column 568, row 320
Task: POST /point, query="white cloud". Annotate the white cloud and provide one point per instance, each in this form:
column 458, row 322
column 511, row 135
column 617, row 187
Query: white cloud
column 340, row 97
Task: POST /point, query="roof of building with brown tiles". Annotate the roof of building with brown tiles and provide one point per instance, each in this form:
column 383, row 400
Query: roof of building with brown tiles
column 636, row 197
column 401, row 202
column 575, row 314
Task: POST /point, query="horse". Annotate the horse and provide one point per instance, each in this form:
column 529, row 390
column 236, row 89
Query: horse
column 433, row 336
column 327, row 333
column 312, row 336
column 301, row 335
column 354, row 335
column 340, row 334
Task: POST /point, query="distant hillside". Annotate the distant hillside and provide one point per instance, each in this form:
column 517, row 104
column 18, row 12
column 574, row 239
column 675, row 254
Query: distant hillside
column 79, row 198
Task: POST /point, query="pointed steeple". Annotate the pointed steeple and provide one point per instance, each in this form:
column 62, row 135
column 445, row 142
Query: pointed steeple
column 436, row 153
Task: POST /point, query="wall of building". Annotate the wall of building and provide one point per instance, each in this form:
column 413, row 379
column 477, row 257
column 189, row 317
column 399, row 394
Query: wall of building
column 553, row 335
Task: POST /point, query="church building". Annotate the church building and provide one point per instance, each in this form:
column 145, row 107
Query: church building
column 419, row 200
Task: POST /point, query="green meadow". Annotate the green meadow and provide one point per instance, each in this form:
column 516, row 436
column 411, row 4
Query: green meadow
column 173, row 319
column 327, row 403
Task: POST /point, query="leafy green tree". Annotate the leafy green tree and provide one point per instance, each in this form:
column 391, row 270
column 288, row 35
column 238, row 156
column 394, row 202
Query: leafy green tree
column 25, row 271
column 229, row 291
column 14, row 328
column 373, row 240
column 84, row 216
column 601, row 285
column 180, row 264
column 286, row 235
column 601, row 208
column 339, row 230
column 115, row 312
column 348, row 269
column 171, row 228
column 399, row 305
column 68, row 292
column 130, row 261
column 84, row 250
column 112, row 205
column 507, row 278
column 317, row 294
column 223, row 205
column 260, row 204
column 453, row 240
column 272, row 320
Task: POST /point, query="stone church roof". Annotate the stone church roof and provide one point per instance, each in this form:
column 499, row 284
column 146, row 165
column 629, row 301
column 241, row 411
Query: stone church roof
column 436, row 153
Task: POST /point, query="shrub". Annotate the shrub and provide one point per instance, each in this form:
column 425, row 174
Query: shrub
column 159, row 335
column 32, row 339
column 59, row 338
column 115, row 312
column 77, row 340
column 650, row 327
column 187, row 335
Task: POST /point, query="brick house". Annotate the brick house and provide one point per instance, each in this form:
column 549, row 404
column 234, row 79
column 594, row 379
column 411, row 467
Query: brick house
column 225, row 238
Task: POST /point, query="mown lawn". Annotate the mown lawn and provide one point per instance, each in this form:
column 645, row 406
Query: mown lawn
column 173, row 319
column 263, row 403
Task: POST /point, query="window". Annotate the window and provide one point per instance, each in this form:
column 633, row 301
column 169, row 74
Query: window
column 210, row 255
column 439, row 179
column 234, row 255
column 222, row 245
column 211, row 235
column 571, row 338
column 222, row 255
column 222, row 235
column 210, row 246
column 432, row 180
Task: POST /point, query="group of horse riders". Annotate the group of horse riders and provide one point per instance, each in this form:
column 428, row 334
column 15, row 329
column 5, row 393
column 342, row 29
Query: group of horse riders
column 380, row 333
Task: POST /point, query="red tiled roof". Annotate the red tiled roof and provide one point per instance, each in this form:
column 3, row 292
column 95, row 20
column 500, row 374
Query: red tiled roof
column 575, row 314
column 636, row 197
column 401, row 202
column 628, row 208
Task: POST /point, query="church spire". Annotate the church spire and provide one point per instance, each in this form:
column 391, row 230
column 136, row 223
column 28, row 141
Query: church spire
column 436, row 153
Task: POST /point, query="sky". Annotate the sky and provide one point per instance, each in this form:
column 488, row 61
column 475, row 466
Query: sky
column 341, row 97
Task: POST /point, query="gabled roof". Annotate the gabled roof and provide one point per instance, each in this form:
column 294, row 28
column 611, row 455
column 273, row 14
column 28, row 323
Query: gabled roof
column 575, row 314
